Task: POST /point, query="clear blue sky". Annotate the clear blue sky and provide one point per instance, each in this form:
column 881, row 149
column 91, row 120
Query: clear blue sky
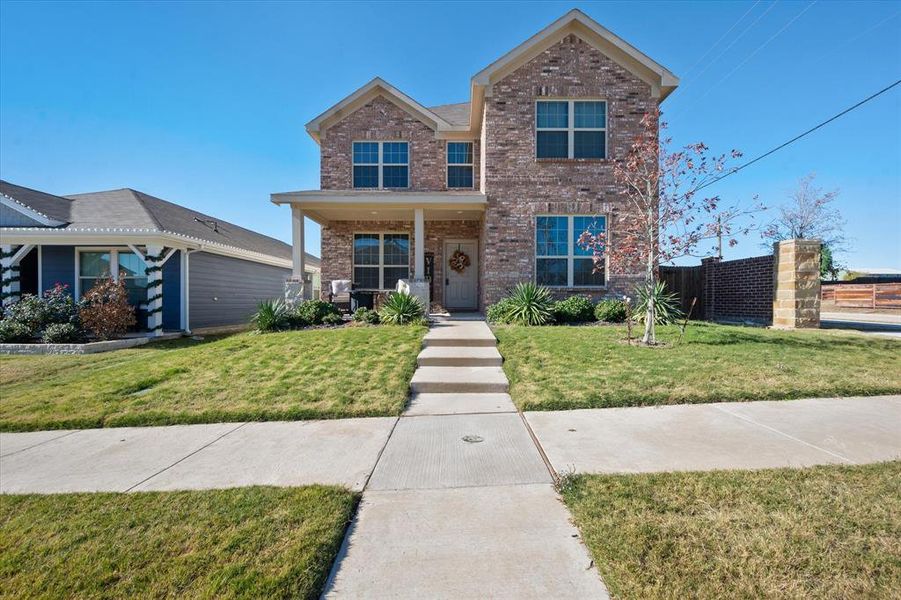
column 204, row 103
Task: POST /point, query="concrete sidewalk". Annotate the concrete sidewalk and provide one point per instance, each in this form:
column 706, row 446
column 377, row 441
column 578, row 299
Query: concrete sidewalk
column 461, row 503
column 340, row 452
column 730, row 435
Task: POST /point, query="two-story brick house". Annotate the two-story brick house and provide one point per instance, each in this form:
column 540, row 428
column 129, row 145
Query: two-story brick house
column 482, row 195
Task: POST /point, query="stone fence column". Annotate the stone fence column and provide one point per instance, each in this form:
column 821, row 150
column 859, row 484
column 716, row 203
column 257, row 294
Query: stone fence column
column 796, row 285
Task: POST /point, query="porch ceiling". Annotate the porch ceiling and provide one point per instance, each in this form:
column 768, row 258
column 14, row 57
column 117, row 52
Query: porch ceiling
column 341, row 205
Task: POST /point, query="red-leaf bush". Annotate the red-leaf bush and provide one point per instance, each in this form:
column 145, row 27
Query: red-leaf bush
column 105, row 310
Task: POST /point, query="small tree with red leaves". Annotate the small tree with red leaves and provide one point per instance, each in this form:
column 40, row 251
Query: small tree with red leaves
column 668, row 217
column 105, row 310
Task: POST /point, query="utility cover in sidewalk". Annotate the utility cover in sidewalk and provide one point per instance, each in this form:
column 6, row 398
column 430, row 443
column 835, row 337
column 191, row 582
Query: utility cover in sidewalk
column 445, row 451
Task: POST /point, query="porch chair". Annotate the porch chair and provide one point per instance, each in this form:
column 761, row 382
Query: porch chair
column 339, row 294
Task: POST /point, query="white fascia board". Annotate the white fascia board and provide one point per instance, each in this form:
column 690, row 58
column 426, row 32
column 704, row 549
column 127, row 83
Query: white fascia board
column 29, row 212
column 380, row 198
column 126, row 236
column 575, row 21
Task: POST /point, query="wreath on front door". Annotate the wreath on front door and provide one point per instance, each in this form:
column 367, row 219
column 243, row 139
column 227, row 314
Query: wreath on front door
column 459, row 261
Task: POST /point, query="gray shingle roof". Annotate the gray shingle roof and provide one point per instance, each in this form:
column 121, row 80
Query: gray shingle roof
column 455, row 114
column 54, row 207
column 131, row 209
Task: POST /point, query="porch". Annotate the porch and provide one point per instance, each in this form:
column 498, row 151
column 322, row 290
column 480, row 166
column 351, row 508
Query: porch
column 374, row 239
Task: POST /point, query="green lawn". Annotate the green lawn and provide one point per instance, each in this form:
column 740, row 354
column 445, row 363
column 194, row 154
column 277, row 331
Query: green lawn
column 247, row 542
column 825, row 532
column 591, row 367
column 318, row 373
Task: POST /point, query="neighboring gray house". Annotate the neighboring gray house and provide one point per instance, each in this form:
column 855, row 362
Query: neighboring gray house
column 213, row 273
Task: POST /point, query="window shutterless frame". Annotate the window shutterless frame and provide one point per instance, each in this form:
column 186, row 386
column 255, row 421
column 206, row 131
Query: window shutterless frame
column 381, row 265
column 571, row 128
column 379, row 163
column 115, row 271
column 570, row 256
column 456, row 164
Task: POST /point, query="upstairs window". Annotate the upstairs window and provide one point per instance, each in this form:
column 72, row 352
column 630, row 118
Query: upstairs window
column 459, row 165
column 571, row 129
column 381, row 165
column 560, row 261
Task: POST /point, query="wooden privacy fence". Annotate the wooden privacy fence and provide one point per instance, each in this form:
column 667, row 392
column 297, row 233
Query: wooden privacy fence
column 686, row 283
column 863, row 295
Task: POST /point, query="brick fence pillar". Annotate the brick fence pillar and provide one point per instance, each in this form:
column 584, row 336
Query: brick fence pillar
column 796, row 284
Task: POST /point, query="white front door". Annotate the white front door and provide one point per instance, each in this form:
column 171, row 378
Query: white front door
column 461, row 289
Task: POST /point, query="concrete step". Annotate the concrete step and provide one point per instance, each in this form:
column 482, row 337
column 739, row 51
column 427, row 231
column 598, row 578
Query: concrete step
column 460, row 333
column 449, row 380
column 459, row 356
column 453, row 404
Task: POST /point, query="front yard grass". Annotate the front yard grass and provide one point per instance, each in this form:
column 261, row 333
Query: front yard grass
column 309, row 374
column 824, row 532
column 248, row 542
column 564, row 367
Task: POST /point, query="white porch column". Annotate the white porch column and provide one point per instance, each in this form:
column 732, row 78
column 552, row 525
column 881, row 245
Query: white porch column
column 9, row 272
column 297, row 242
column 9, row 293
column 418, row 244
column 154, row 261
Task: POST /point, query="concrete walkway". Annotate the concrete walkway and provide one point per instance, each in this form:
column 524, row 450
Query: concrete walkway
column 461, row 503
column 340, row 452
column 731, row 435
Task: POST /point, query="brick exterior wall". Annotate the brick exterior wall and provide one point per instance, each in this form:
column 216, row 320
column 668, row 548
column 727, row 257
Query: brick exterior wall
column 519, row 186
column 337, row 246
column 382, row 120
column 738, row 290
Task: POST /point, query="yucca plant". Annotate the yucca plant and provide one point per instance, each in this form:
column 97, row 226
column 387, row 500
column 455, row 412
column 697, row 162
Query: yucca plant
column 271, row 315
column 401, row 309
column 530, row 304
column 666, row 306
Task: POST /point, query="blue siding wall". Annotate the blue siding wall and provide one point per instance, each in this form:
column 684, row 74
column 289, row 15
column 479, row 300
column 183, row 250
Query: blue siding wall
column 172, row 292
column 58, row 266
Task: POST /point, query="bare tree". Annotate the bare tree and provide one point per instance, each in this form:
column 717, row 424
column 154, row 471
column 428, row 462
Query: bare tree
column 810, row 215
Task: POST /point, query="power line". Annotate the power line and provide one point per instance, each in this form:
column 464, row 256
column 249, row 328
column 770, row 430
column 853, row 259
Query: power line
column 722, row 37
column 756, row 50
column 798, row 137
column 737, row 38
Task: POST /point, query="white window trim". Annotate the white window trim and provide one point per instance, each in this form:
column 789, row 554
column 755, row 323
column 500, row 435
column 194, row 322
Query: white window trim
column 113, row 263
column 571, row 253
column 449, row 164
column 381, row 264
column 571, row 128
column 381, row 164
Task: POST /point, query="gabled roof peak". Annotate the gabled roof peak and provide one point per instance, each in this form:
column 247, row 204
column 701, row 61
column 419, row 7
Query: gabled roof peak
column 449, row 117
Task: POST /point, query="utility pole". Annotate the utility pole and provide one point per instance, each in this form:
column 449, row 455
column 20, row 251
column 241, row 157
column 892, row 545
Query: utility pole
column 719, row 236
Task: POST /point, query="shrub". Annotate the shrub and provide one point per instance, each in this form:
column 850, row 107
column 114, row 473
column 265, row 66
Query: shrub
column 12, row 332
column 611, row 311
column 315, row 311
column 365, row 315
column 402, row 309
column 60, row 306
column 105, row 310
column 499, row 311
column 62, row 333
column 271, row 315
column 30, row 311
column 666, row 306
column 530, row 304
column 575, row 309
column 333, row 319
